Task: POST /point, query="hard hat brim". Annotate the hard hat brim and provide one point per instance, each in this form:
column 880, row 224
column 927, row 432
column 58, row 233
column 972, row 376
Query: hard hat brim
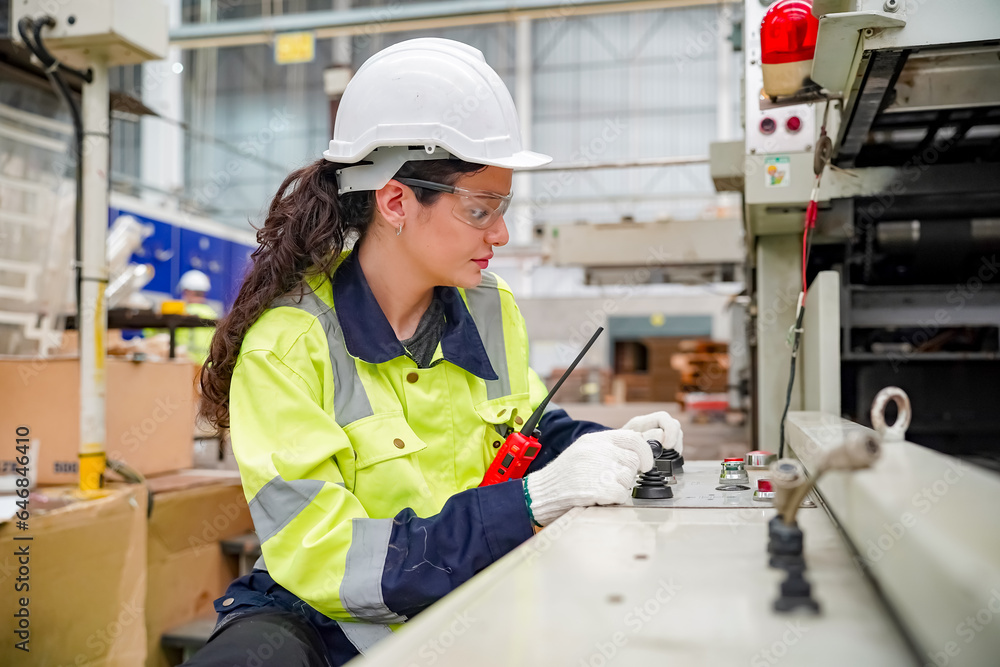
column 519, row 160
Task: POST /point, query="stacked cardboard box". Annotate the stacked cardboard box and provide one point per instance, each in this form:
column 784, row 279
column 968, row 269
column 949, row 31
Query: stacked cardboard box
column 643, row 371
column 149, row 416
column 106, row 581
column 84, row 580
column 703, row 366
column 192, row 512
column 664, row 379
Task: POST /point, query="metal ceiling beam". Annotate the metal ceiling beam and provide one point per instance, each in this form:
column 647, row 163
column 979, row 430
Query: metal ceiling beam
column 624, row 164
column 367, row 21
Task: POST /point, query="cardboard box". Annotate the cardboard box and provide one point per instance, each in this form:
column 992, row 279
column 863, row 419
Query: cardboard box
column 106, row 583
column 664, row 380
column 192, row 512
column 149, row 419
column 86, row 571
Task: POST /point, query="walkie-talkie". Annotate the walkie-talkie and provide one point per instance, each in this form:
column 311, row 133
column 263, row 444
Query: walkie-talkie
column 521, row 447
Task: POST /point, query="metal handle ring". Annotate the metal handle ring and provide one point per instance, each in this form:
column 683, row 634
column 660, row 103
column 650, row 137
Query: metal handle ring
column 896, row 432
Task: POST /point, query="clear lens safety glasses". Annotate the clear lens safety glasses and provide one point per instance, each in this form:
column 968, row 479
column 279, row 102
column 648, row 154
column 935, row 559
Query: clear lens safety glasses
column 475, row 207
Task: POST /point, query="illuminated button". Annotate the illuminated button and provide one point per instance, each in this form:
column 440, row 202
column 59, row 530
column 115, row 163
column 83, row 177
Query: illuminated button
column 734, row 473
column 793, row 124
column 507, row 460
column 764, row 491
column 412, row 377
column 767, row 125
column 399, row 443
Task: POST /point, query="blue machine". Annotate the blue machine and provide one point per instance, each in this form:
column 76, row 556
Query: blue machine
column 181, row 242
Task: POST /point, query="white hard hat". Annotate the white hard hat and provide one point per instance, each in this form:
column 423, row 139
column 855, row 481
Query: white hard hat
column 194, row 281
column 422, row 99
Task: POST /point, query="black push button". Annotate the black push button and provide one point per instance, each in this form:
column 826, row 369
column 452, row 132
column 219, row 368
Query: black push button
column 507, row 460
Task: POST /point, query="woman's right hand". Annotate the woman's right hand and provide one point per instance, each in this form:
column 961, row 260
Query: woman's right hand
column 598, row 469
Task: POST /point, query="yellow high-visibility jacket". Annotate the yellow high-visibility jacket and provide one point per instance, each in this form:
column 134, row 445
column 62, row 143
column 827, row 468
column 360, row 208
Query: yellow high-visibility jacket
column 361, row 469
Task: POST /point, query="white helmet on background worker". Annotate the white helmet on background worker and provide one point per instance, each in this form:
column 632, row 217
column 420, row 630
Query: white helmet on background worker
column 425, row 99
column 194, row 281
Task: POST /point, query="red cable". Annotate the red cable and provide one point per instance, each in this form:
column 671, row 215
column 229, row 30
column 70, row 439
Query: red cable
column 812, row 210
column 805, row 237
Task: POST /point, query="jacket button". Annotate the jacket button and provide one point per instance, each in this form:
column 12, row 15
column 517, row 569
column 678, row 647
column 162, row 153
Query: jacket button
column 502, row 412
column 399, row 443
column 496, row 445
column 412, row 377
column 228, row 601
column 518, row 421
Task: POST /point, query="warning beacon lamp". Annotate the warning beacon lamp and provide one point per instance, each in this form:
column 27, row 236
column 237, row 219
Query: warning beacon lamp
column 787, row 46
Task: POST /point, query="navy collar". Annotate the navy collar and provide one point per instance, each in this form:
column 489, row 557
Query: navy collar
column 369, row 336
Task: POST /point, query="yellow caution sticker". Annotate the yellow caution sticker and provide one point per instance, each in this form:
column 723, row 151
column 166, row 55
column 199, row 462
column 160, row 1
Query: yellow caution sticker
column 294, row 47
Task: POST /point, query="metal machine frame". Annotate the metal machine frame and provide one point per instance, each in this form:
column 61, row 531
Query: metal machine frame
column 914, row 90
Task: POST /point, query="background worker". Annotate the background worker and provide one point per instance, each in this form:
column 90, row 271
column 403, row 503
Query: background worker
column 194, row 286
column 368, row 387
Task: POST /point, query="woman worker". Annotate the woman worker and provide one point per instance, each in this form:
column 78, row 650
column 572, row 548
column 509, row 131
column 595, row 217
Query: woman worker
column 367, row 390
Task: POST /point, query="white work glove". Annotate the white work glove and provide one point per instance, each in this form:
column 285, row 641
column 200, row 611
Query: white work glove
column 597, row 469
column 659, row 426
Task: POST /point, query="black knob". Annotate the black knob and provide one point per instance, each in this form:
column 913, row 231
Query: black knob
column 656, row 447
column 652, row 486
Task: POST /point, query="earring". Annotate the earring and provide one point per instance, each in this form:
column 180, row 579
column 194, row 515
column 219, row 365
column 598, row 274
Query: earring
column 399, row 231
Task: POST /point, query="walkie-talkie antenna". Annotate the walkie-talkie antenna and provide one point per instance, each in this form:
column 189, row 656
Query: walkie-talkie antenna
column 529, row 426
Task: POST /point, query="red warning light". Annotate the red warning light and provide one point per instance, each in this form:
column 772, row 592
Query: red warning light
column 787, row 45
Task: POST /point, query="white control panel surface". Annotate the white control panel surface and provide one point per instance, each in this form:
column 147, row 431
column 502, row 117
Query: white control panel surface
column 648, row 586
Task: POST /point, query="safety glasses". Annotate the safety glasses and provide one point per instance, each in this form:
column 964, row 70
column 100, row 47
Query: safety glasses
column 475, row 207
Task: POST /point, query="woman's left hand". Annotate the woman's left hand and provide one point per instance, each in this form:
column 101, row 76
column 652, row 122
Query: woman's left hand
column 659, row 426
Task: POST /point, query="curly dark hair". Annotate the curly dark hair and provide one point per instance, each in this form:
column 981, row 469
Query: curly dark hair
column 305, row 231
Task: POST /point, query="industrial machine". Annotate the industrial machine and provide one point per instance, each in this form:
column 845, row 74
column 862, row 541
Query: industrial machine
column 905, row 287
